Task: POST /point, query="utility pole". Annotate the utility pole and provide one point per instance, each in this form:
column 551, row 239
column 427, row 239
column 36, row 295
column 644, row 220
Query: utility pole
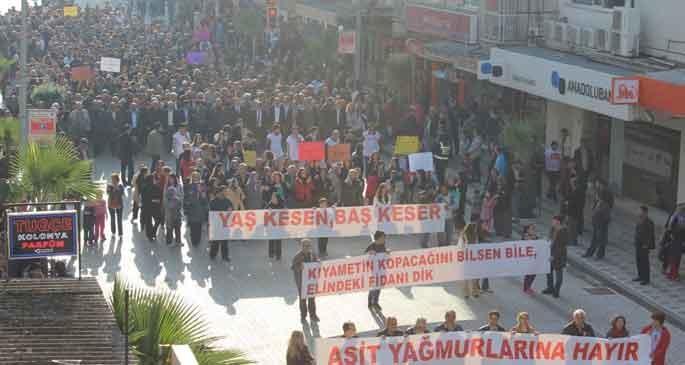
column 23, row 71
column 357, row 44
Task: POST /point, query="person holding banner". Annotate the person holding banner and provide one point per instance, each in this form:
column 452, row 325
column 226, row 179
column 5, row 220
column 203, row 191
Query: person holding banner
column 303, row 256
column 391, row 329
column 493, row 323
column 559, row 240
column 349, row 330
column 323, row 241
column 523, row 324
column 420, row 327
column 298, row 352
column 450, row 324
column 377, row 246
column 578, row 326
column 661, row 338
column 275, row 246
column 470, row 236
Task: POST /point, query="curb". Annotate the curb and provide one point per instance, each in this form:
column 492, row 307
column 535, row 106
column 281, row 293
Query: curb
column 627, row 291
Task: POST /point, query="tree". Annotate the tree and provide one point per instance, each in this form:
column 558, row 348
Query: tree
column 159, row 317
column 5, row 66
column 44, row 95
column 10, row 131
column 321, row 49
column 398, row 74
column 50, row 173
column 250, row 23
column 523, row 137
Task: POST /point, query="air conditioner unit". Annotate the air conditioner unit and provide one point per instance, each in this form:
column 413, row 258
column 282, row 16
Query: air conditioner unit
column 601, row 39
column 572, row 35
column 626, row 45
column 587, row 39
column 626, row 20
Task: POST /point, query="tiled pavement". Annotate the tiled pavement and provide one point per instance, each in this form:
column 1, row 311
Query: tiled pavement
column 618, row 268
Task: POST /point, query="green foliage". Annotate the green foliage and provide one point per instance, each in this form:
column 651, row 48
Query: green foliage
column 46, row 94
column 250, row 22
column 10, row 131
column 322, row 48
column 162, row 318
column 398, row 74
column 524, row 136
column 50, row 173
column 5, row 65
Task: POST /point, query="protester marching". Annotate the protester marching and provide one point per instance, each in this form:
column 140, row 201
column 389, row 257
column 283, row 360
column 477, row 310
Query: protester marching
column 231, row 148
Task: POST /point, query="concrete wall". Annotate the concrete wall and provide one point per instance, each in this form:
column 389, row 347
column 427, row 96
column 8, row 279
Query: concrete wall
column 678, row 125
column 661, row 21
column 564, row 116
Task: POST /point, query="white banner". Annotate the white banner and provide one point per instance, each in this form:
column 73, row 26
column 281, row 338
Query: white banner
column 109, row 64
column 483, row 348
column 425, row 266
column 328, row 222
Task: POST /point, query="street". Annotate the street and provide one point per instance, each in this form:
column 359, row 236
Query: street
column 252, row 302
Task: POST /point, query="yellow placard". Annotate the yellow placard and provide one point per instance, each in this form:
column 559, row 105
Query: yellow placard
column 405, row 145
column 71, row 11
column 250, row 158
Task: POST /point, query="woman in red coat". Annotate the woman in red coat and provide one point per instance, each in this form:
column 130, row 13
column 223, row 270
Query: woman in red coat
column 660, row 336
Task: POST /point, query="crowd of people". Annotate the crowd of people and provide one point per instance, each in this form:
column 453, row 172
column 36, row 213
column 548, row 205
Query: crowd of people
column 232, row 126
column 298, row 351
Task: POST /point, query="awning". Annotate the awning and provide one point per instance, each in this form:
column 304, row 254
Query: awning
column 663, row 91
column 461, row 56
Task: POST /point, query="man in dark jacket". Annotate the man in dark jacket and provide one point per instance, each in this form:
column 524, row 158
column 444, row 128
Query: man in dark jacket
column 376, row 247
column 305, row 255
column 220, row 203
column 601, row 216
column 558, row 237
column 352, row 190
column 127, row 149
column 644, row 241
column 493, row 323
column 578, row 326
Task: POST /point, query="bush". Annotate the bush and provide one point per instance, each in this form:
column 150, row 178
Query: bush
column 10, row 131
column 44, row 95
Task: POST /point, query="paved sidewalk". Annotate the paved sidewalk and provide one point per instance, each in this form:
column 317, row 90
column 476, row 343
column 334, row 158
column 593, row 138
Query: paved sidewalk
column 618, row 267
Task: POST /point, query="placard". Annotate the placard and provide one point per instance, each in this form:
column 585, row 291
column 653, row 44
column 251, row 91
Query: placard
column 110, row 64
column 339, row 152
column 196, row 58
column 250, row 158
column 347, row 42
column 405, row 145
column 71, row 11
column 42, row 126
column 311, row 151
column 421, row 161
column 331, row 222
column 82, row 73
column 42, row 234
column 201, row 35
column 483, row 348
column 425, row 266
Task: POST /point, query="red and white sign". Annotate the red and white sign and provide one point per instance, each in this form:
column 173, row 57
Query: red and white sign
column 326, row 222
column 483, row 348
column 42, row 125
column 441, row 23
column 625, row 91
column 347, row 42
column 425, row 266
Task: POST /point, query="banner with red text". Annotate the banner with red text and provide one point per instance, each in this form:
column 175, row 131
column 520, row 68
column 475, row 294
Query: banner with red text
column 425, row 266
column 326, row 222
column 483, row 348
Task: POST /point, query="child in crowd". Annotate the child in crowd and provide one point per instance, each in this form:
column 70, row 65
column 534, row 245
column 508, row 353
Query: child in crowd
column 89, row 222
column 100, row 216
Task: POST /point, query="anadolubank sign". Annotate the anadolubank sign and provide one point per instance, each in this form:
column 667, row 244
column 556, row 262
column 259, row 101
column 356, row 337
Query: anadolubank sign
column 582, row 87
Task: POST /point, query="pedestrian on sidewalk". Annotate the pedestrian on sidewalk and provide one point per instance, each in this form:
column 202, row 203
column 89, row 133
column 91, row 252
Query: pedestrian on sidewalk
column 137, row 183
column 151, row 213
column 322, row 242
column 306, row 254
column 558, row 237
column 674, row 250
column 221, row 203
column 553, row 169
column 529, row 233
column 173, row 205
column 661, row 338
column 578, row 326
column 644, row 241
column 100, row 216
column 470, row 236
column 601, row 216
column 376, row 247
column 115, row 203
